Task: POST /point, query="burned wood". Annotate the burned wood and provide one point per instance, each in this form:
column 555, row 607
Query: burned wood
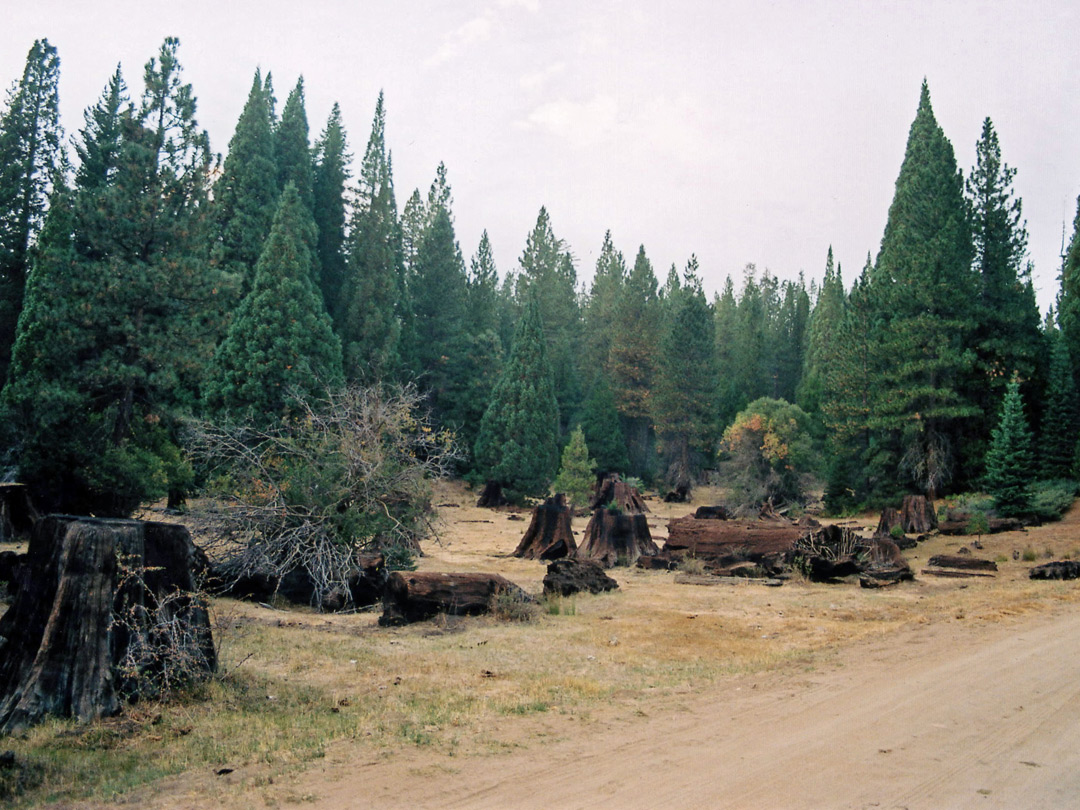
column 17, row 513
column 567, row 577
column 616, row 538
column 412, row 596
column 963, row 525
column 550, row 535
column 962, row 563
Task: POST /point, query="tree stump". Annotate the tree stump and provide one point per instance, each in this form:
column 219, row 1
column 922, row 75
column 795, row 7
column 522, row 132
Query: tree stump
column 616, row 538
column 549, row 536
column 917, row 515
column 567, row 577
column 492, row 495
column 613, row 490
column 411, row 596
column 17, row 513
column 890, row 519
column 108, row 610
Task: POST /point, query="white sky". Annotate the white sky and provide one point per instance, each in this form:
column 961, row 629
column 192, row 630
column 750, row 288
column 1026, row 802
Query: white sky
column 740, row 131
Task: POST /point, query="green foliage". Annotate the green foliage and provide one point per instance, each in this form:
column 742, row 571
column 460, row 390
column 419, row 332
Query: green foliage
column 399, row 558
column 978, row 524
column 896, row 532
column 602, row 429
column 330, row 174
column 1060, row 422
column 768, row 450
column 518, row 440
column 1049, row 500
column 292, row 151
column 280, row 345
column 1009, row 462
column 1068, row 302
column 576, row 471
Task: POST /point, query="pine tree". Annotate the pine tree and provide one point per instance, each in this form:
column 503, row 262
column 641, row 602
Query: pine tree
column 1007, row 337
column 31, row 157
column 518, row 441
column 331, row 173
column 599, row 312
column 102, row 134
column 292, row 149
column 575, row 478
column 484, row 300
column 822, row 338
column 1009, row 461
column 369, row 315
column 603, row 430
column 924, row 293
column 1068, row 301
column 280, row 345
column 1060, row 421
column 246, row 193
column 729, row 394
column 685, row 388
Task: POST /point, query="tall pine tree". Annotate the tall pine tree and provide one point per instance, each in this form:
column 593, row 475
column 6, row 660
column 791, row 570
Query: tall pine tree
column 1009, row 463
column 1060, row 427
column 331, row 173
column 1068, row 301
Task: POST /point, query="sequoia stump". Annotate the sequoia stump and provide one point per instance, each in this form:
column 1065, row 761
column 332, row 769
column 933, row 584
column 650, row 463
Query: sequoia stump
column 613, row 490
column 549, row 536
column 614, row 538
column 106, row 607
column 917, row 515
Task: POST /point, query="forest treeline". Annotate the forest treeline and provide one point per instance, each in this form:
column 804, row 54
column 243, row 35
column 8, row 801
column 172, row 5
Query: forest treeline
column 143, row 281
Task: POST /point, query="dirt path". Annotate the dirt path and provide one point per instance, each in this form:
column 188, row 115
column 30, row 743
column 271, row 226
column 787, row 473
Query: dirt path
column 946, row 715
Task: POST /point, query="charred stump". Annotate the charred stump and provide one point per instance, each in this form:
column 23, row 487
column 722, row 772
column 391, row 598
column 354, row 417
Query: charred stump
column 889, row 522
column 835, row 552
column 108, row 611
column 615, row 538
column 413, row 597
column 567, row 577
column 549, row 536
column 17, row 513
column 613, row 490
column 492, row 495
column 917, row 515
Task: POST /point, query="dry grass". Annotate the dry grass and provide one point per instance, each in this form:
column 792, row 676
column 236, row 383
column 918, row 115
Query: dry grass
column 299, row 684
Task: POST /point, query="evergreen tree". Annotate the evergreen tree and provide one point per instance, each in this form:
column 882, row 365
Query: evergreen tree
column 31, row 156
column 280, row 345
column 685, row 388
column 518, row 441
column 822, row 338
column 603, row 430
column 1060, row 422
column 292, row 149
column 729, row 394
column 246, row 193
column 123, row 285
column 414, row 219
column 484, row 301
column 924, row 293
column 369, row 314
column 631, row 364
column 1007, row 337
column 599, row 313
column 101, row 137
column 575, row 478
column 1009, row 461
column 1068, row 301
column 331, row 173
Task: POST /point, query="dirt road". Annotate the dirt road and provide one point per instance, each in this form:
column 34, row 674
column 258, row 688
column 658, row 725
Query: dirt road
column 941, row 716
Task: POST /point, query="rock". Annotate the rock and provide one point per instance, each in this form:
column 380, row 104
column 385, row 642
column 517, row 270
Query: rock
column 567, row 577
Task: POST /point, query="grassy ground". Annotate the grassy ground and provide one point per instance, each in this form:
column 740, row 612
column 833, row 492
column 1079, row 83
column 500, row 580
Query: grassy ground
column 296, row 684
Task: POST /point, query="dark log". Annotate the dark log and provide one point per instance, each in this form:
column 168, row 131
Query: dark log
column 17, row 513
column 729, row 541
column 492, row 495
column 964, row 563
column 961, row 525
column 658, row 562
column 107, row 607
column 550, row 535
column 1059, row 569
column 681, row 494
column 713, row 513
column 567, row 577
column 411, row 596
column 835, row 552
column 953, row 574
column 917, row 515
column 616, row 538
column 613, row 490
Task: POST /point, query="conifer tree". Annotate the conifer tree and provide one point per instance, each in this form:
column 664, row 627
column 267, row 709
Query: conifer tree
column 1068, row 301
column 599, row 312
column 369, row 314
column 331, row 173
column 924, row 293
column 98, row 149
column 518, row 441
column 484, row 300
column 246, row 193
column 822, row 339
column 729, row 394
column 685, row 389
column 1009, row 464
column 575, row 478
column 280, row 344
column 603, row 430
column 1060, row 427
column 31, row 157
column 292, row 149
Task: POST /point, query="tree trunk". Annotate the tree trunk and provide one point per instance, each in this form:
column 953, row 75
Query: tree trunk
column 492, row 495
column 730, row 540
column 962, row 563
column 17, row 513
column 107, row 609
column 890, row 519
column 917, row 515
column 413, row 597
column 616, row 538
column 550, row 536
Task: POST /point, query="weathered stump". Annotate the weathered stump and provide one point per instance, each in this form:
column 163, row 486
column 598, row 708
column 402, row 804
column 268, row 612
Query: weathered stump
column 613, row 490
column 567, row 577
column 17, row 513
column 890, row 520
column 107, row 609
column 411, row 596
column 492, row 495
column 835, row 552
column 550, row 535
column 917, row 515
column 616, row 538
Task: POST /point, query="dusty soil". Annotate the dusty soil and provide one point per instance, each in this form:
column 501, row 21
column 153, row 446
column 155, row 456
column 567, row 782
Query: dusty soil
column 938, row 693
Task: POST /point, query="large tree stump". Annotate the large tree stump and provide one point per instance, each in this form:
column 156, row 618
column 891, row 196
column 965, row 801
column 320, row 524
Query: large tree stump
column 613, row 490
column 549, row 536
column 917, row 515
column 411, row 596
column 107, row 609
column 17, row 513
column 616, row 538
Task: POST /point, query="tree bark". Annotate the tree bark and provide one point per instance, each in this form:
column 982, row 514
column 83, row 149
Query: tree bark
column 613, row 490
column 102, row 602
column 724, row 539
column 616, row 538
column 917, row 515
column 413, row 597
column 550, row 535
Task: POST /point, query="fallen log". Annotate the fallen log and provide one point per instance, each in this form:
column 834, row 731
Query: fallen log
column 108, row 610
column 706, row 580
column 956, row 526
column 1059, row 569
column 713, row 513
column 953, row 573
column 550, row 535
column 962, row 563
column 412, row 596
column 722, row 540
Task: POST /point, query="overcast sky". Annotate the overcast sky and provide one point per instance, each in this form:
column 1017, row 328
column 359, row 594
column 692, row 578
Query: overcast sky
column 743, row 132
